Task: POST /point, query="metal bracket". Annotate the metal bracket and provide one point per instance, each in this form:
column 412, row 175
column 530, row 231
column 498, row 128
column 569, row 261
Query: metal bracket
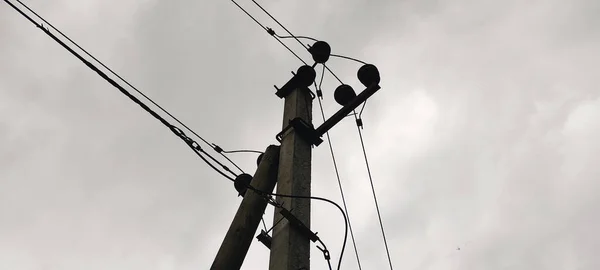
column 304, row 130
column 296, row 223
column 264, row 238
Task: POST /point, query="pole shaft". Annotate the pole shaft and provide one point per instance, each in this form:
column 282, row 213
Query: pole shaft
column 290, row 249
column 241, row 232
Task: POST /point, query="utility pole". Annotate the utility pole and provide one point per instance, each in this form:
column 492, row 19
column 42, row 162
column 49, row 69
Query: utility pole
column 290, row 249
column 290, row 241
column 247, row 219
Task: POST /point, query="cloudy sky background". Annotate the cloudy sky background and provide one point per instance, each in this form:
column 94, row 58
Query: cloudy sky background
column 484, row 135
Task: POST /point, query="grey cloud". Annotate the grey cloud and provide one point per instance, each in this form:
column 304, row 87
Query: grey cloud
column 482, row 136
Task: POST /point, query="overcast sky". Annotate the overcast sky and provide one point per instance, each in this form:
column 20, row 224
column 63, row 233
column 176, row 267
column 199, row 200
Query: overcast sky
column 484, row 135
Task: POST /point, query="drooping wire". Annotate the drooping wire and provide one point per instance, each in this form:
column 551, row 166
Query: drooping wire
column 299, row 37
column 362, row 143
column 117, row 75
column 242, row 151
column 349, row 58
column 337, row 174
column 178, row 132
column 328, row 201
column 267, row 29
column 268, row 194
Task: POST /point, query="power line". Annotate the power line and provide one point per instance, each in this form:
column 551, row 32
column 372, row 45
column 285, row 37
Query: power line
column 268, row 31
column 362, row 143
column 121, row 78
column 281, row 25
column 111, row 71
column 243, row 151
column 300, row 37
column 337, row 174
column 348, row 58
column 178, row 132
column 290, row 35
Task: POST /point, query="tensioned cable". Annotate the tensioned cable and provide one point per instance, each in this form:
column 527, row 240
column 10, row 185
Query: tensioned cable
column 362, row 143
column 337, row 174
column 121, row 78
column 267, row 29
column 197, row 149
column 292, row 35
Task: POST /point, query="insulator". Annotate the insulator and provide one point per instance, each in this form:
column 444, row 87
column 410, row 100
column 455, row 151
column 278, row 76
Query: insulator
column 368, row 74
column 305, row 76
column 320, row 51
column 241, row 183
column 344, row 94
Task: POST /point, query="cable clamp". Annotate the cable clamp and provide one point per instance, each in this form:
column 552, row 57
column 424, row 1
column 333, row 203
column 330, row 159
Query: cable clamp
column 326, row 253
column 217, row 148
column 319, row 93
column 359, row 123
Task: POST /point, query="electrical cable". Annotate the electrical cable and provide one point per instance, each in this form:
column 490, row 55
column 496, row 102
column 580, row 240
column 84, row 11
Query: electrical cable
column 349, row 58
column 281, row 25
column 337, row 174
column 292, row 35
column 362, row 143
column 300, row 37
column 325, row 252
column 361, row 110
column 267, row 194
column 242, row 151
column 328, row 201
column 112, row 72
column 197, row 149
column 118, row 76
column 267, row 29
column 230, row 161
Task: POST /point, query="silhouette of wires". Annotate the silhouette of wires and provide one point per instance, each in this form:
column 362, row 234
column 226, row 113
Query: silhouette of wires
column 330, row 202
column 348, row 58
column 299, row 37
column 242, row 151
column 178, row 132
column 278, row 37
column 267, row 195
column 337, row 174
column 268, row 31
column 362, row 143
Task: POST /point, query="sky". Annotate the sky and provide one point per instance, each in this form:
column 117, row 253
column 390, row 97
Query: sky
column 481, row 138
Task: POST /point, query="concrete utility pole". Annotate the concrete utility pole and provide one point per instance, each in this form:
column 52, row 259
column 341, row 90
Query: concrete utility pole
column 246, row 221
column 290, row 249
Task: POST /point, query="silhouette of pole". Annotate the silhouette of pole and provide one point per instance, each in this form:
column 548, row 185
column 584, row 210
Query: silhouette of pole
column 289, row 248
column 241, row 232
